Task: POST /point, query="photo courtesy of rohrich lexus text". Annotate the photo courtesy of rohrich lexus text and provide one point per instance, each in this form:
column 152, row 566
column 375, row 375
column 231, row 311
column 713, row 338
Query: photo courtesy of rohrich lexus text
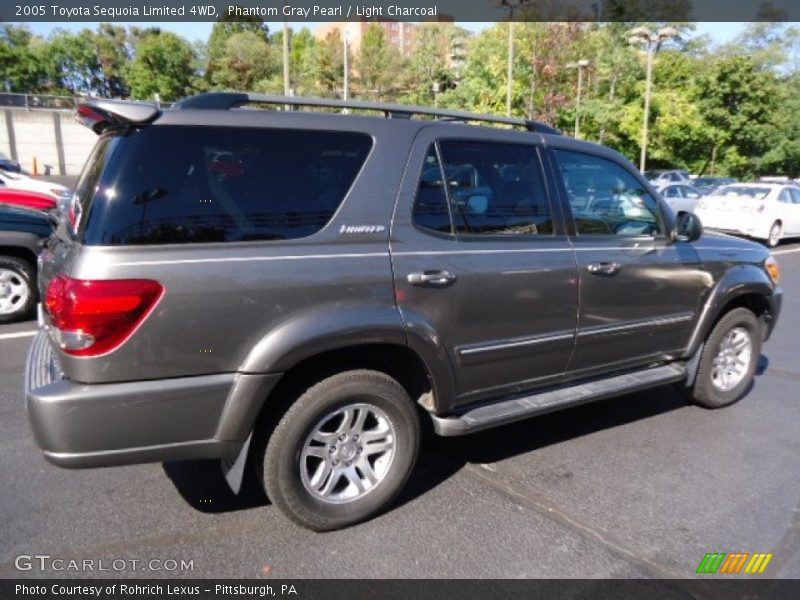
column 478, row 298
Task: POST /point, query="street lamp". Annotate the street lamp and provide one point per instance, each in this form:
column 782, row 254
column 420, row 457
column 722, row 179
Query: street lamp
column 651, row 43
column 346, row 83
column 510, row 6
column 580, row 65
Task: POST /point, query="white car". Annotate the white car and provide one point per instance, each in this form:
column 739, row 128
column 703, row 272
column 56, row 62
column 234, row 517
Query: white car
column 681, row 198
column 18, row 181
column 765, row 211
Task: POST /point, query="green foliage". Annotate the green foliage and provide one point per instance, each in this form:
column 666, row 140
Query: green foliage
column 378, row 62
column 163, row 64
column 245, row 60
column 327, row 64
column 729, row 109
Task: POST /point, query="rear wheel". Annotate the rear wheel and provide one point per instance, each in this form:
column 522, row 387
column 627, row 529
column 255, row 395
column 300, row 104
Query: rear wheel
column 729, row 360
column 342, row 451
column 774, row 236
column 17, row 288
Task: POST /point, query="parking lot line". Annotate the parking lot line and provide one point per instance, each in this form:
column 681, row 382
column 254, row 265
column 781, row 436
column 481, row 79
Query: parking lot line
column 18, row 334
column 787, row 251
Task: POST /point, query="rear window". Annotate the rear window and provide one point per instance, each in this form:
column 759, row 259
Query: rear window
column 173, row 185
column 741, row 191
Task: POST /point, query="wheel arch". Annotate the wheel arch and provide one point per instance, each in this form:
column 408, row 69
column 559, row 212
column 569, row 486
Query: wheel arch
column 745, row 286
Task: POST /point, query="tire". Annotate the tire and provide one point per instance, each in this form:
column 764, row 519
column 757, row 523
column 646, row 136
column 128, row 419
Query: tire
column 774, row 235
column 299, row 473
column 17, row 288
column 709, row 389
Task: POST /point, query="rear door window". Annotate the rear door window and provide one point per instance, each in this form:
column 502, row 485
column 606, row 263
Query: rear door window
column 172, row 184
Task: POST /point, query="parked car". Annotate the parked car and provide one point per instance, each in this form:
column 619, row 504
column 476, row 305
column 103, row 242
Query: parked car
column 18, row 181
column 299, row 317
column 681, row 197
column 660, row 177
column 707, row 185
column 22, row 232
column 8, row 164
column 765, row 211
column 27, row 199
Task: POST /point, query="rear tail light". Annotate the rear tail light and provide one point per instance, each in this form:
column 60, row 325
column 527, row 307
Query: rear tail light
column 94, row 317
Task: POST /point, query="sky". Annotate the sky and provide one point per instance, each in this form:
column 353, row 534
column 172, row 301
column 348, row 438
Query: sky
column 719, row 32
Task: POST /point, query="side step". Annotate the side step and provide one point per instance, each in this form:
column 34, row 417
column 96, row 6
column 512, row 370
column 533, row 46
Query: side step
column 515, row 409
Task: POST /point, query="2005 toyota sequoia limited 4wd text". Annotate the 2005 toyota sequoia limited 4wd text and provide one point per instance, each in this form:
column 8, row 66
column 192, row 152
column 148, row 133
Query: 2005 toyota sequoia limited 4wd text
column 294, row 293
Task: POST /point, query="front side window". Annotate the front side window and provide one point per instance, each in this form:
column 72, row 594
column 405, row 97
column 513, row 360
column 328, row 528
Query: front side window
column 430, row 204
column 606, row 198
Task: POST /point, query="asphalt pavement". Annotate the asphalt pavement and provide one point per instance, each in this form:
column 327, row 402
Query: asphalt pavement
column 637, row 486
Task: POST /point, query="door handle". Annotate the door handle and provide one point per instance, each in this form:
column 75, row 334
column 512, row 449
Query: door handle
column 431, row 278
column 604, row 268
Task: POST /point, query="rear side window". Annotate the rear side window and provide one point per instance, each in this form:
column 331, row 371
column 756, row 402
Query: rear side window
column 173, row 185
column 491, row 189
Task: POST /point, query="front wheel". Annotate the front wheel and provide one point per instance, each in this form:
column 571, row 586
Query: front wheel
column 343, row 450
column 729, row 360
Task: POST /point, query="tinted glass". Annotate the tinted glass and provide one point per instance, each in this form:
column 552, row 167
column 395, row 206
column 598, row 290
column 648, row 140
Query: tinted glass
column 168, row 185
column 672, row 191
column 785, row 196
column 495, row 188
column 795, row 195
column 430, row 206
column 606, row 198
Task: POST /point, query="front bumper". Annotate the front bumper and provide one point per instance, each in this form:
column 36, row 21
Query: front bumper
column 91, row 425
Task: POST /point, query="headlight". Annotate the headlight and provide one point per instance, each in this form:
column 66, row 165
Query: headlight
column 772, row 269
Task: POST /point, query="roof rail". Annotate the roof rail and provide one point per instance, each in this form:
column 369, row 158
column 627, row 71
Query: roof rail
column 228, row 100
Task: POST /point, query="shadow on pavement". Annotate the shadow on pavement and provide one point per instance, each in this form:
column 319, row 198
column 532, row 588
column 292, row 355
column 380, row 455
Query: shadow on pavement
column 203, row 486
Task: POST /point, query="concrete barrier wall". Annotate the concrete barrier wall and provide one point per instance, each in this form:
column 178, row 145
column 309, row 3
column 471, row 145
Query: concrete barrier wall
column 53, row 137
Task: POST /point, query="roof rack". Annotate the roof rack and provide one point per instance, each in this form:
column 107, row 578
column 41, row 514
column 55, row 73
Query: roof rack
column 228, row 100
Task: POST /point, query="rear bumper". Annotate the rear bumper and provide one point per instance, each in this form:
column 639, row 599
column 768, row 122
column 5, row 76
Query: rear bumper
column 92, row 425
column 753, row 225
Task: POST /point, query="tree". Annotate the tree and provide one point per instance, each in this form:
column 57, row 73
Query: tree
column 245, row 60
column 378, row 62
column 328, row 64
column 163, row 65
column 72, row 64
column 738, row 99
column 431, row 62
column 223, row 30
column 22, row 68
column 113, row 51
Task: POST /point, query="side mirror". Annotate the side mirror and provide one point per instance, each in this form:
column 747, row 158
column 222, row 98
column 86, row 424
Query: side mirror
column 688, row 228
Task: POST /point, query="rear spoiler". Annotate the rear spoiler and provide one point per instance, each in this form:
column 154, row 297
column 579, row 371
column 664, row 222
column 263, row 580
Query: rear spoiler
column 99, row 115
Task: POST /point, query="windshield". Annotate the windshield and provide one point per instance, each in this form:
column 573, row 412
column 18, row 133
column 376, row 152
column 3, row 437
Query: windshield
column 653, row 174
column 740, row 191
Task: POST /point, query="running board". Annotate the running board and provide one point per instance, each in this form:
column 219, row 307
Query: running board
column 515, row 409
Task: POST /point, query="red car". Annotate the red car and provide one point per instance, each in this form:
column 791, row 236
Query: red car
column 25, row 198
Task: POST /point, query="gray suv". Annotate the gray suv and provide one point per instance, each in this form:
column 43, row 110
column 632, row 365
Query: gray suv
column 298, row 293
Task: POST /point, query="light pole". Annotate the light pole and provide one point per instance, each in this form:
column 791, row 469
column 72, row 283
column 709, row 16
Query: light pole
column 510, row 6
column 651, row 42
column 346, row 84
column 580, row 65
column 436, row 89
column 286, row 84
